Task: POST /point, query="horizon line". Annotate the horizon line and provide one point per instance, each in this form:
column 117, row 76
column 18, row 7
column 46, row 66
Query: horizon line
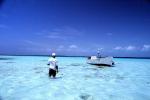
column 76, row 56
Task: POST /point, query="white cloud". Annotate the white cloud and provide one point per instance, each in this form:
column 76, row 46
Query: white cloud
column 146, row 47
column 118, row 48
column 99, row 49
column 51, row 34
column 36, row 44
column 54, row 35
column 130, row 48
column 69, row 31
column 31, row 42
column 73, row 46
column 61, row 33
column 36, row 50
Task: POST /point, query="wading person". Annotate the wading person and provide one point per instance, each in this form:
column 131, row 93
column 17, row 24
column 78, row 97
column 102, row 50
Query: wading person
column 53, row 67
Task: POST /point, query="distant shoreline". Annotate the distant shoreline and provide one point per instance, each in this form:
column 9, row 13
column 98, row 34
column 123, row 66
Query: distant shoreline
column 78, row 56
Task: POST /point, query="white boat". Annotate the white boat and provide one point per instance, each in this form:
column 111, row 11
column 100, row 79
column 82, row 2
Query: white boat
column 101, row 61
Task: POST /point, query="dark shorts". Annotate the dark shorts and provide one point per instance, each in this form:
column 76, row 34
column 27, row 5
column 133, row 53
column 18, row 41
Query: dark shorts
column 52, row 72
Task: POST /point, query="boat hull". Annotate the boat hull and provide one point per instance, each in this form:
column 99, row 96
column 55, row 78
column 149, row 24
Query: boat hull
column 106, row 61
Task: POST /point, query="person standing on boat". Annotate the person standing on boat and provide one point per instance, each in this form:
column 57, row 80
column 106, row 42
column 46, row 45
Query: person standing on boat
column 53, row 65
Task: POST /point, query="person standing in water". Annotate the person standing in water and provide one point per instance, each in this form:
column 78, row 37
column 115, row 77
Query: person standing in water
column 53, row 66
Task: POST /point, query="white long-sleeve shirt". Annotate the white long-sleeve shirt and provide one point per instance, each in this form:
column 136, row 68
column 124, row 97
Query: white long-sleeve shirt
column 53, row 63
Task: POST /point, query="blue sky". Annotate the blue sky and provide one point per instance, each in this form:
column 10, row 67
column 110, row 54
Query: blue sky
column 75, row 27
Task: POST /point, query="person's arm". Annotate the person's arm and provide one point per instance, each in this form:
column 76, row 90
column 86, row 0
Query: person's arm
column 57, row 66
column 48, row 62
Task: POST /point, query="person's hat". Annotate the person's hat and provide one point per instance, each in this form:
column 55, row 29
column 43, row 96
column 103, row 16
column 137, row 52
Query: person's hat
column 53, row 54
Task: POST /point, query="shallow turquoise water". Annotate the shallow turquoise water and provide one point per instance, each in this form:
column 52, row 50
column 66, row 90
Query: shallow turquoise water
column 26, row 78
